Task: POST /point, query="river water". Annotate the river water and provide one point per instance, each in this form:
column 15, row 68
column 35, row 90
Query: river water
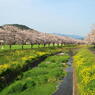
column 66, row 87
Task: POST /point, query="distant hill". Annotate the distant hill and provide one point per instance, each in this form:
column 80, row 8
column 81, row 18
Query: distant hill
column 71, row 35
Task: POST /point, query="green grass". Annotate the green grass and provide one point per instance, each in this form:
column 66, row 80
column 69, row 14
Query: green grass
column 14, row 61
column 7, row 47
column 18, row 58
column 45, row 89
column 41, row 80
column 16, row 47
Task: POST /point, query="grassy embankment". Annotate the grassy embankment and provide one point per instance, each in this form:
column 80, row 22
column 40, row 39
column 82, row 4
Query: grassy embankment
column 41, row 80
column 14, row 61
column 84, row 64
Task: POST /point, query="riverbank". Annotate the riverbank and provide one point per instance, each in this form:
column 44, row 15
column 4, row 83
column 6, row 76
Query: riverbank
column 66, row 87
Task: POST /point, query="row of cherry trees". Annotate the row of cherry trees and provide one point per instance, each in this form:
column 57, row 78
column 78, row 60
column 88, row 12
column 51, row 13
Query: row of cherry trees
column 91, row 36
column 12, row 35
column 42, row 38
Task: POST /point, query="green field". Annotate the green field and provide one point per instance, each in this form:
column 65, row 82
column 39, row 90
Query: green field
column 7, row 47
column 42, row 79
column 20, row 75
column 17, row 47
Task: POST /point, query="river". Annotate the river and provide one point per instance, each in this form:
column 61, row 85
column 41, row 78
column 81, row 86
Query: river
column 66, row 87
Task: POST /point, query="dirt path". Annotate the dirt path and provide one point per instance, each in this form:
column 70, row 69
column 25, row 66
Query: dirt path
column 66, row 87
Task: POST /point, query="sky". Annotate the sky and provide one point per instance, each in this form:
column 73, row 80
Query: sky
column 52, row 16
